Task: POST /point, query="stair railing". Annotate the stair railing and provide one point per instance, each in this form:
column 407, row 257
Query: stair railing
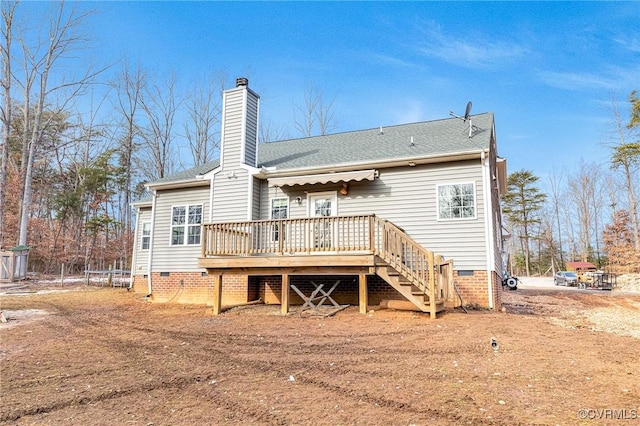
column 409, row 258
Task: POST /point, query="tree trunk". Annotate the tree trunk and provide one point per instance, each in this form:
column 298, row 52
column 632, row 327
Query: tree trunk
column 7, row 17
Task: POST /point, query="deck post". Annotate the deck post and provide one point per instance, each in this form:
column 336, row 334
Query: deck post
column 372, row 235
column 363, row 296
column 284, row 295
column 217, row 294
column 432, row 286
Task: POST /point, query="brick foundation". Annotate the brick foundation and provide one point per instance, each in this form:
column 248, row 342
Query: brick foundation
column 195, row 288
column 140, row 284
column 473, row 289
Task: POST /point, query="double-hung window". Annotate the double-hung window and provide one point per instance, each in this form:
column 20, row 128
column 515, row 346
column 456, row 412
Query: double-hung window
column 279, row 210
column 185, row 224
column 456, row 201
column 146, row 235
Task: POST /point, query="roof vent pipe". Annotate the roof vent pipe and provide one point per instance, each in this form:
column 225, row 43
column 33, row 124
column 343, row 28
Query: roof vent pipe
column 242, row 81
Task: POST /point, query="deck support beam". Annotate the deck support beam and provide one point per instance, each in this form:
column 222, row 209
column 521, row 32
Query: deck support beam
column 432, row 286
column 284, row 295
column 216, row 294
column 363, row 294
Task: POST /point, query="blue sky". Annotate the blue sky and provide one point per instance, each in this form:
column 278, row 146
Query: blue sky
column 548, row 70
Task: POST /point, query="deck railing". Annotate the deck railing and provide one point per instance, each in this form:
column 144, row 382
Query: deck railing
column 288, row 236
column 333, row 234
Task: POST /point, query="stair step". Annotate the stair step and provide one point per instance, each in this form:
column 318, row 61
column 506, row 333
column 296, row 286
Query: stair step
column 392, row 272
column 407, row 287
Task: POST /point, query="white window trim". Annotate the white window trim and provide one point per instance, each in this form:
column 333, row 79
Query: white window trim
column 454, row 219
column 186, row 224
column 274, row 230
column 283, row 197
column 142, row 236
column 329, row 194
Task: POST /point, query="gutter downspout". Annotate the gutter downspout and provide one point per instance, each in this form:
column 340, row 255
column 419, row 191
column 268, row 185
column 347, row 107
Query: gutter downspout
column 488, row 215
column 151, row 241
column 250, row 197
column 211, row 198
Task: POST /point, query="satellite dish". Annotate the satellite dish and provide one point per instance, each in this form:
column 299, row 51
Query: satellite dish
column 467, row 112
column 467, row 117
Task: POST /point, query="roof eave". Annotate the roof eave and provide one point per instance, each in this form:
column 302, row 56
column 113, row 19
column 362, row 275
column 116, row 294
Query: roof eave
column 142, row 204
column 380, row 164
column 186, row 183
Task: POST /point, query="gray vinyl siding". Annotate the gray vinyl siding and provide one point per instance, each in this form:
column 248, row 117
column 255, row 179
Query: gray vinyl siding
column 407, row 197
column 255, row 213
column 238, row 134
column 251, row 135
column 232, row 127
column 142, row 256
column 231, row 195
column 173, row 258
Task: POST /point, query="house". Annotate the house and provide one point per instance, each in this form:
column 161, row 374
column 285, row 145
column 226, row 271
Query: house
column 408, row 212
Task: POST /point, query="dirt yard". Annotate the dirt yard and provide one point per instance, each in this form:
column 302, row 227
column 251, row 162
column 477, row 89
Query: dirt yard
column 106, row 356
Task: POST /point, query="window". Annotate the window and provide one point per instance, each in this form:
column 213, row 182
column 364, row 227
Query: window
column 456, row 201
column 186, row 221
column 279, row 210
column 146, row 235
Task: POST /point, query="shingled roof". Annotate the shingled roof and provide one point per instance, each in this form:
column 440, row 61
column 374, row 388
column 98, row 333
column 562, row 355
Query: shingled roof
column 189, row 174
column 416, row 140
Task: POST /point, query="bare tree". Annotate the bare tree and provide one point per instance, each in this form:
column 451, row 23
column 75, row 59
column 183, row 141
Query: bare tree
column 314, row 111
column 582, row 193
column 599, row 194
column 39, row 62
column 556, row 198
column 8, row 9
column 325, row 115
column 272, row 133
column 128, row 87
column 203, row 108
column 159, row 103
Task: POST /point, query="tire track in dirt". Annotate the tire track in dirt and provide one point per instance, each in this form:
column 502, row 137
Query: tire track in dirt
column 203, row 347
column 176, row 384
column 204, row 353
column 83, row 326
column 112, row 340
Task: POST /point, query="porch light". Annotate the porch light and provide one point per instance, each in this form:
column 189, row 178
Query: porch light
column 345, row 188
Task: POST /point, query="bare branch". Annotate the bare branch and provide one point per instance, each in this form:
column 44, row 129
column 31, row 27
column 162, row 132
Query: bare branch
column 204, row 109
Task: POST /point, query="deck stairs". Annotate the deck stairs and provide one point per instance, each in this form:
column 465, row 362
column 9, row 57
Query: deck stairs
column 412, row 270
column 413, row 293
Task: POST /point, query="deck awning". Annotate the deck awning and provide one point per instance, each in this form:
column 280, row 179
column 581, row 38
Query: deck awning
column 323, row 178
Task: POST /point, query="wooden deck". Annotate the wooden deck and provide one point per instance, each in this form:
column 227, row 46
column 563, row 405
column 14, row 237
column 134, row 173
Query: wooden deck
column 347, row 245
